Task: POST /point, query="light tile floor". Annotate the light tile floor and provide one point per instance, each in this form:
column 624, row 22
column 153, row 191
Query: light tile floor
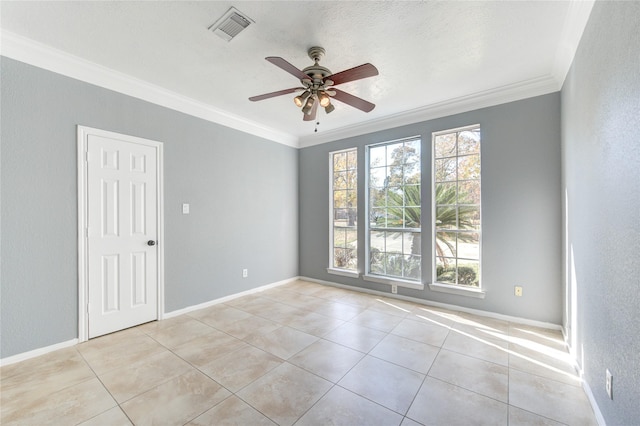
column 304, row 354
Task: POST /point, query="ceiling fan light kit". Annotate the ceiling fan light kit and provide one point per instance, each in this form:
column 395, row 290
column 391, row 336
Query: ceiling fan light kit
column 318, row 82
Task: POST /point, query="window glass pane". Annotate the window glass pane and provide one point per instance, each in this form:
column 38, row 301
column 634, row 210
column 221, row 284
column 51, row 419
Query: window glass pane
column 377, row 156
column 377, row 197
column 352, row 259
column 411, row 243
column 469, row 142
column 394, row 242
column 352, row 217
column 351, row 198
column 412, row 267
column 340, row 217
column 446, row 244
column 469, row 167
column 378, row 217
column 339, row 235
column 352, row 238
column 395, row 217
column 394, row 196
column 468, row 245
column 445, row 270
column 352, row 179
column 340, row 180
column 412, row 151
column 396, row 175
column 352, row 159
column 446, row 217
column 339, row 161
column 445, row 145
column 468, row 272
column 469, row 217
column 446, row 169
column 340, row 258
column 412, row 217
column 446, row 193
column 411, row 174
column 339, row 199
column 412, row 195
column 378, row 177
column 376, row 262
column 469, row 192
column 377, row 241
column 395, row 154
column 393, row 264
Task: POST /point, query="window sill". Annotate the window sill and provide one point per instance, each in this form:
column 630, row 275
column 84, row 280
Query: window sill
column 458, row 290
column 343, row 272
column 394, row 281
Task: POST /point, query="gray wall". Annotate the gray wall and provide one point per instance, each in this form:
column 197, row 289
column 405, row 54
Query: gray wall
column 601, row 178
column 242, row 189
column 521, row 207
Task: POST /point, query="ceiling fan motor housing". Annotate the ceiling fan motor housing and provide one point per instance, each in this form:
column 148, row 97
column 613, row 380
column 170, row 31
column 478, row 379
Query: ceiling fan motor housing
column 316, row 72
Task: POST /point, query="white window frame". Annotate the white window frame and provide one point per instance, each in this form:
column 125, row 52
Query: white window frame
column 332, row 269
column 386, row 279
column 458, row 289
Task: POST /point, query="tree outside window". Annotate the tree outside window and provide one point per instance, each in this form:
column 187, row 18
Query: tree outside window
column 456, row 199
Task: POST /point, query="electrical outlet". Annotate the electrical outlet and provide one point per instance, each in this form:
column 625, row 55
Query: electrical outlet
column 245, row 273
column 609, row 384
column 517, row 291
column 394, row 289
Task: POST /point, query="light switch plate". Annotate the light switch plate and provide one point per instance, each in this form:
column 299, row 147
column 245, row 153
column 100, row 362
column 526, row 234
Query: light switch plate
column 185, row 208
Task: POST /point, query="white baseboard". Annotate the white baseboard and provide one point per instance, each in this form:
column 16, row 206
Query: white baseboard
column 478, row 312
column 192, row 308
column 41, row 351
column 37, row 352
column 585, row 385
column 592, row 401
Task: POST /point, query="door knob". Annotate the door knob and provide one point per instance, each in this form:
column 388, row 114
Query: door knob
column 151, row 243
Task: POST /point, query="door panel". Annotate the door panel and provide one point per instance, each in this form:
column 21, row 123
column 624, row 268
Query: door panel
column 122, row 219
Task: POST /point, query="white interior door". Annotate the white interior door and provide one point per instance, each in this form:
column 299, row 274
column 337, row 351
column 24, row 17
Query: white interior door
column 122, row 229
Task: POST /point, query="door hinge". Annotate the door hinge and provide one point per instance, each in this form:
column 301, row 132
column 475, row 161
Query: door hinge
column 88, row 307
column 86, row 156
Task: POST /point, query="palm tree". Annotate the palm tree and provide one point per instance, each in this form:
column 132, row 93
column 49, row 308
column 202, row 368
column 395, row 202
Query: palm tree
column 446, row 198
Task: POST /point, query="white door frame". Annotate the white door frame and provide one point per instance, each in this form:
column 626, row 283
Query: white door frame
column 83, row 280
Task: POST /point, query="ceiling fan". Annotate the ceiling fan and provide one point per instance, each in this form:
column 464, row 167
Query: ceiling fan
column 318, row 82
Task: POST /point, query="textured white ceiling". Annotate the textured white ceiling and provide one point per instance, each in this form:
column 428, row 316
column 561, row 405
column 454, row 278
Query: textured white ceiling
column 428, row 53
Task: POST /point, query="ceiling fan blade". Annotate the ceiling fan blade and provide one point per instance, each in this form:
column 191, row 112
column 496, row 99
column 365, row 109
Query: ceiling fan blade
column 356, row 73
column 281, row 63
column 274, row 94
column 312, row 115
column 354, row 101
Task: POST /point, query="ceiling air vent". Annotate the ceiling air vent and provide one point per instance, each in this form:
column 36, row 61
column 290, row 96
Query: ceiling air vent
column 231, row 24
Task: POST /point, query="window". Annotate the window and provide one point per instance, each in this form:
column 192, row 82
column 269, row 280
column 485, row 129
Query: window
column 456, row 207
column 344, row 210
column 394, row 243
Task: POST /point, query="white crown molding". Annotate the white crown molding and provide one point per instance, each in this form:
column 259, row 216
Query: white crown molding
column 574, row 25
column 28, row 51
column 500, row 95
column 40, row 55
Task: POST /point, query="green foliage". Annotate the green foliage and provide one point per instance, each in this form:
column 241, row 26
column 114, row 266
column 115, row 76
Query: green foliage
column 345, row 258
column 395, row 264
column 467, row 275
